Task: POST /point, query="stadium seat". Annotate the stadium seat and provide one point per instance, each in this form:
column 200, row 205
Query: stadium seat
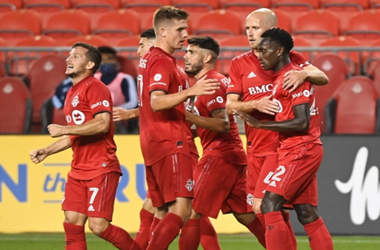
column 45, row 75
column 15, row 106
column 352, row 58
column 301, row 42
column 284, row 20
column 365, row 26
column 145, row 8
column 374, row 4
column 96, row 8
column 225, row 56
column 295, row 8
column 375, row 75
column 131, row 41
column 128, row 66
column 219, row 24
column 19, row 24
column 196, row 5
column 20, row 62
column 336, row 70
column 10, row 5
column 37, row 41
column 354, row 108
column 51, row 115
column 66, row 24
column 243, row 7
column 370, row 58
column 118, row 24
column 3, row 70
column 345, row 9
column 90, row 39
column 46, row 8
column 317, row 25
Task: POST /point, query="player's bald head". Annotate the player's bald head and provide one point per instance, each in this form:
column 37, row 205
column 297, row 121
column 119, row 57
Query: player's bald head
column 267, row 17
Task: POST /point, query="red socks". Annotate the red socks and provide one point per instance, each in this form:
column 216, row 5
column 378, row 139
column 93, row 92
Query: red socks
column 290, row 228
column 319, row 236
column 190, row 235
column 209, row 238
column 142, row 236
column 75, row 237
column 277, row 233
column 258, row 229
column 119, row 238
column 165, row 232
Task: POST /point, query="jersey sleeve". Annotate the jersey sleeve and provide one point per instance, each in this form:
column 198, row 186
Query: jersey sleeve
column 298, row 59
column 302, row 94
column 99, row 98
column 214, row 101
column 159, row 76
column 235, row 85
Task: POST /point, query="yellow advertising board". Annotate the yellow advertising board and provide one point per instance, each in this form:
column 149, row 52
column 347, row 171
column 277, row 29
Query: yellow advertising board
column 31, row 194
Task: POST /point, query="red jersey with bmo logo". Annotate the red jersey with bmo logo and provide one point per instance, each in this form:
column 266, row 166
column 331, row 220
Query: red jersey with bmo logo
column 226, row 145
column 188, row 106
column 303, row 94
column 251, row 82
column 162, row 133
column 93, row 155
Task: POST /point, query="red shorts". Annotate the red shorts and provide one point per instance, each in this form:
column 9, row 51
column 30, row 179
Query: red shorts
column 219, row 185
column 94, row 198
column 194, row 159
column 295, row 178
column 169, row 178
column 259, row 167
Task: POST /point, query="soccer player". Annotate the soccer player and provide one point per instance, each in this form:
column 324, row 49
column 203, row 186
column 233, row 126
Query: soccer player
column 209, row 238
column 95, row 170
column 249, row 91
column 163, row 138
column 220, row 175
column 300, row 151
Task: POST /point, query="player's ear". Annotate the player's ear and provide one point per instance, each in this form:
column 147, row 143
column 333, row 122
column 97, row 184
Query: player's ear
column 280, row 51
column 207, row 58
column 90, row 65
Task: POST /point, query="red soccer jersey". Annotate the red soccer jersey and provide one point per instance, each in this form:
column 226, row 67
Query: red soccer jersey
column 228, row 145
column 251, row 82
column 304, row 94
column 96, row 154
column 161, row 133
column 188, row 104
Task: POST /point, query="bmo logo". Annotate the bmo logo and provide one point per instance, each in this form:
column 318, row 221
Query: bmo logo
column 78, row 117
column 260, row 89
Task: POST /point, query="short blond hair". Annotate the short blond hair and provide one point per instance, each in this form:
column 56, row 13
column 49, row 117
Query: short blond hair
column 167, row 13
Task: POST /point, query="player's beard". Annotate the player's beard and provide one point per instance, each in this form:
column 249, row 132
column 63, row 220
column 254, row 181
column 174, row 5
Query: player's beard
column 74, row 75
column 195, row 69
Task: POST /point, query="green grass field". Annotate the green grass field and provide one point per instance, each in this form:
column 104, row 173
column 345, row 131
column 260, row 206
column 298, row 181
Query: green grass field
column 34, row 241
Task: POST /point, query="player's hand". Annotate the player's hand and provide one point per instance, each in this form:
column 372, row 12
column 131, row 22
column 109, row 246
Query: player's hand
column 205, row 87
column 267, row 106
column 293, row 79
column 55, row 130
column 38, row 155
column 120, row 114
column 189, row 116
column 250, row 120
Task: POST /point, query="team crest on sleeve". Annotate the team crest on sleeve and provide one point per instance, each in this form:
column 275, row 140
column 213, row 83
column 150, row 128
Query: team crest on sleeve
column 157, row 77
column 189, row 185
column 250, row 199
column 106, row 103
column 75, row 101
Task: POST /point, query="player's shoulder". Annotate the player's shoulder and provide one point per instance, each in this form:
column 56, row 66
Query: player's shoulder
column 93, row 82
column 299, row 59
column 243, row 56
